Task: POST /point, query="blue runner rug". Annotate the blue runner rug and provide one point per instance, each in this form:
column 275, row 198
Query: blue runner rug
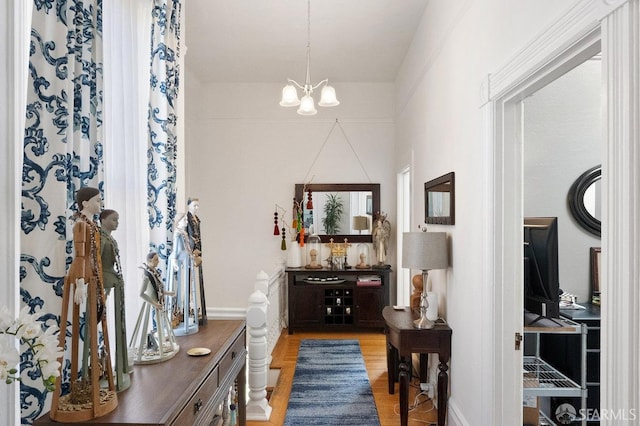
column 331, row 386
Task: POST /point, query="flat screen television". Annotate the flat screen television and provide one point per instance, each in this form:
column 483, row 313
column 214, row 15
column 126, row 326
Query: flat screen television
column 541, row 282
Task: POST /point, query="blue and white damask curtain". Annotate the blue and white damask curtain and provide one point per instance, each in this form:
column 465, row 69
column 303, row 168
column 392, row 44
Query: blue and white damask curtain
column 62, row 152
column 161, row 154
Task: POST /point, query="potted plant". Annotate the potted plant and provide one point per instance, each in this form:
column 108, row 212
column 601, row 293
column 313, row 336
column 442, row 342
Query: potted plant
column 333, row 209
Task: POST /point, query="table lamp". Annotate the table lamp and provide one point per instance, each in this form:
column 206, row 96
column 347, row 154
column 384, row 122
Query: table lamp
column 360, row 223
column 424, row 251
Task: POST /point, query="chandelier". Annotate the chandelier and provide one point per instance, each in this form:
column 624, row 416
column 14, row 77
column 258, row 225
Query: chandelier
column 307, row 104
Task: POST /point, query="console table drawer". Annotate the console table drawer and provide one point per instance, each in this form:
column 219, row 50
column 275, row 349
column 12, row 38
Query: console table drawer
column 238, row 348
column 200, row 408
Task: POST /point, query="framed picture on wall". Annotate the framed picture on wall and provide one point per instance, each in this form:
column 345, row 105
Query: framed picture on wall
column 439, row 200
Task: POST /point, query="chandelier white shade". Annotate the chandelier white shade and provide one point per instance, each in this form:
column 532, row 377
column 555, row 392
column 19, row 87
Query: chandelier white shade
column 328, row 97
column 289, row 96
column 307, row 104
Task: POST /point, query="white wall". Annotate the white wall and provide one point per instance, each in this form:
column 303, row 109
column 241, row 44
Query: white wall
column 245, row 153
column 563, row 138
column 440, row 129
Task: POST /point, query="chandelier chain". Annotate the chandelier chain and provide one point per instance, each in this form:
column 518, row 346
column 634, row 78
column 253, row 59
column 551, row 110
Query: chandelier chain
column 337, row 123
column 308, row 25
column 307, row 84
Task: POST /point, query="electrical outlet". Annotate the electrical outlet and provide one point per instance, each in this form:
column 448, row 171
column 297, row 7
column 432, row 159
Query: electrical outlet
column 429, row 388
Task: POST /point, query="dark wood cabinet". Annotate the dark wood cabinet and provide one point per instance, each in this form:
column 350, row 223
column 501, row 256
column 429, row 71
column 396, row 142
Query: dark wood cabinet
column 369, row 306
column 337, row 300
column 305, row 306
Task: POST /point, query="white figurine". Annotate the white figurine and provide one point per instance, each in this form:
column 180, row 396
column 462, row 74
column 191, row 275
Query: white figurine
column 181, row 281
column 153, row 339
column 381, row 234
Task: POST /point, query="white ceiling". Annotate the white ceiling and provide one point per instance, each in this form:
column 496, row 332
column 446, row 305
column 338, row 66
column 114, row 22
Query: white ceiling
column 264, row 41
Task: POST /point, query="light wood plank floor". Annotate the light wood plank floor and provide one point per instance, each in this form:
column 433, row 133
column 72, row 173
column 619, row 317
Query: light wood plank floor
column 373, row 346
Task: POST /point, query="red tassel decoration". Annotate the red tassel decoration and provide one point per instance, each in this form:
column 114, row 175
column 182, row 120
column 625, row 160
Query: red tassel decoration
column 276, row 230
column 294, row 219
column 309, row 201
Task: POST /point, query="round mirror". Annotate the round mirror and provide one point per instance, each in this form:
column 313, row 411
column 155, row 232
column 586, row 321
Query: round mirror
column 584, row 200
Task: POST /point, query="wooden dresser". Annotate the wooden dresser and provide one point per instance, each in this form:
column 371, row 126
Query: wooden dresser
column 336, row 300
column 185, row 390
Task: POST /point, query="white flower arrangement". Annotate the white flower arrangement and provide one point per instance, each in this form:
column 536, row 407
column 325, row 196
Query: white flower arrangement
column 42, row 344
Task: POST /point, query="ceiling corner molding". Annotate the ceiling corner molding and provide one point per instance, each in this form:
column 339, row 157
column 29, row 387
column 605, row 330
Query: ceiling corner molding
column 580, row 21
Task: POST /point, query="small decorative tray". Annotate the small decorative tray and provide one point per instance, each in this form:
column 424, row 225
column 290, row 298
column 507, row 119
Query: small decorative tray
column 198, row 351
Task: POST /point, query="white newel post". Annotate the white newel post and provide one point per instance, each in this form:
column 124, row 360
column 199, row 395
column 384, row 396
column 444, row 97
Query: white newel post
column 258, row 407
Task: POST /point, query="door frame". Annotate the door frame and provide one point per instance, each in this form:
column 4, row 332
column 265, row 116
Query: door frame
column 586, row 28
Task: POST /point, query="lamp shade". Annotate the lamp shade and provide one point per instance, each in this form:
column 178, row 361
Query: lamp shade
column 360, row 223
column 307, row 106
column 424, row 250
column 328, row 97
column 289, row 96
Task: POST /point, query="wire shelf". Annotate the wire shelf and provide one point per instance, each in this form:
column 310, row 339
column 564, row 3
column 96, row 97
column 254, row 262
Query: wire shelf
column 545, row 421
column 541, row 379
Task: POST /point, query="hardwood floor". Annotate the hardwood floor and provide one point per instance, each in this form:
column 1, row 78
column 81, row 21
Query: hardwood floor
column 373, row 346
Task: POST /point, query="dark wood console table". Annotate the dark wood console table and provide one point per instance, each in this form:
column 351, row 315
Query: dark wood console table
column 184, row 390
column 402, row 341
column 336, row 300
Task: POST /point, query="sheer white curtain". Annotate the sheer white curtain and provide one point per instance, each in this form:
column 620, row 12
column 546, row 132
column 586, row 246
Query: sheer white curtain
column 15, row 22
column 126, row 34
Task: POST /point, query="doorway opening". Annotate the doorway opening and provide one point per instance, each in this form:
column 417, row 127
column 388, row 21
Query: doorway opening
column 404, row 225
column 505, row 114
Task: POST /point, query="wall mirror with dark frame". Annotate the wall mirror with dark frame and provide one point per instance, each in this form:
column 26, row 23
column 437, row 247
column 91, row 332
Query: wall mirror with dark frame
column 585, row 201
column 439, row 200
column 340, row 210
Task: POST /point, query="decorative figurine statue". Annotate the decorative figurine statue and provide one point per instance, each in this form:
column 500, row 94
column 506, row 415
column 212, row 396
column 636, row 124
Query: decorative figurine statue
column 381, row 234
column 112, row 273
column 415, row 297
column 363, row 256
column 181, row 282
column 86, row 399
column 195, row 241
column 153, row 339
column 193, row 229
column 313, row 255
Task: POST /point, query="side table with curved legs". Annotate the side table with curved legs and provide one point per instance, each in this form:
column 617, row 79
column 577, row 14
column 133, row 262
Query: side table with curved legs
column 402, row 341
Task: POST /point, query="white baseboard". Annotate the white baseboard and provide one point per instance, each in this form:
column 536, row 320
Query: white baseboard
column 454, row 415
column 226, row 313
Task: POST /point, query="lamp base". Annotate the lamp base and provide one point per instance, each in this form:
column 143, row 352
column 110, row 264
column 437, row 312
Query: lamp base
column 423, row 323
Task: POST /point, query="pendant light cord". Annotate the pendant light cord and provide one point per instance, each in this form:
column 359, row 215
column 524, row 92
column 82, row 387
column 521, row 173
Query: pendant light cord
column 337, row 123
column 307, row 83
